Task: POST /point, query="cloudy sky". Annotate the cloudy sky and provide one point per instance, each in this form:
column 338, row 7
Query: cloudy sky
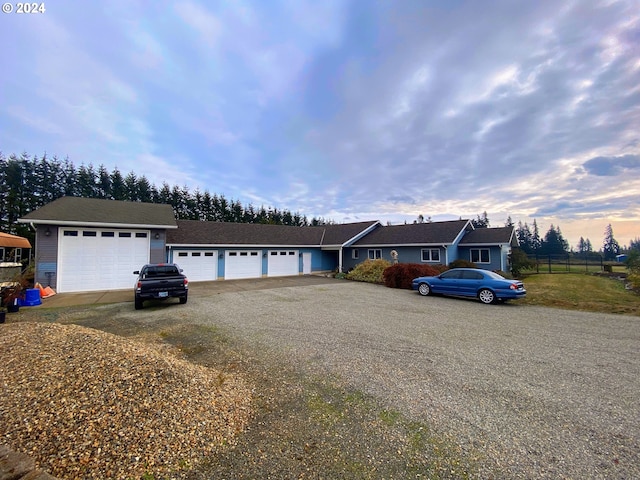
column 349, row 110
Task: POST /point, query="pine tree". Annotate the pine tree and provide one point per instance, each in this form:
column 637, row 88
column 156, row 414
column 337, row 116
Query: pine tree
column 610, row 248
column 131, row 187
column 118, row 189
column 104, row 183
column 481, row 221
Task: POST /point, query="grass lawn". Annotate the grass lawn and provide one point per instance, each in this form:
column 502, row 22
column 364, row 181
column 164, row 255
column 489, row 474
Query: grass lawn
column 576, row 291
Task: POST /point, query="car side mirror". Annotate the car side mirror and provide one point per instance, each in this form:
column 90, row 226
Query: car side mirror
column 137, row 272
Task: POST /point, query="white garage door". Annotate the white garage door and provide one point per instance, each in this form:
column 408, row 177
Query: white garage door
column 198, row 265
column 100, row 259
column 242, row 264
column 282, row 263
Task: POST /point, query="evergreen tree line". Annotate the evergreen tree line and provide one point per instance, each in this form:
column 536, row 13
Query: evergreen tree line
column 554, row 243
column 27, row 183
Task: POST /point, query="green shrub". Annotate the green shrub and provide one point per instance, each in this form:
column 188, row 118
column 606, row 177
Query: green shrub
column 460, row 263
column 520, row 262
column 633, row 265
column 368, row 271
column 400, row 275
column 634, row 280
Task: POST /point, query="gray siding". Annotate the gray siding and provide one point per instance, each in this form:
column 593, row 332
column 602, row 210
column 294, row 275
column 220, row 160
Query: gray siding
column 157, row 250
column 405, row 255
column 46, row 255
column 495, row 257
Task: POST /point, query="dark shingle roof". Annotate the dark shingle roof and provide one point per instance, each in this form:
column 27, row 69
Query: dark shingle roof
column 436, row 233
column 193, row 232
column 485, row 236
column 339, row 234
column 88, row 211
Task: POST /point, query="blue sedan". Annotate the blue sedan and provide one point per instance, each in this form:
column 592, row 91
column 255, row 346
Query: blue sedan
column 488, row 287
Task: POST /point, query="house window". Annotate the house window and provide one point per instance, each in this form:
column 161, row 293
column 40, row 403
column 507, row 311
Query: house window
column 375, row 253
column 183, row 254
column 141, row 235
column 70, row 233
column 108, row 234
column 124, row 234
column 480, row 255
column 355, row 254
column 430, row 255
column 89, row 233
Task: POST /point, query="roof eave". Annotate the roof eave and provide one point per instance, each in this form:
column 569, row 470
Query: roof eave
column 363, row 233
column 378, row 245
column 236, row 245
column 70, row 223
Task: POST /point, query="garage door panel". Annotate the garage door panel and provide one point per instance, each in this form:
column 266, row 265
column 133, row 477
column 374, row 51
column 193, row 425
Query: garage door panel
column 198, row 265
column 243, row 264
column 100, row 259
column 283, row 263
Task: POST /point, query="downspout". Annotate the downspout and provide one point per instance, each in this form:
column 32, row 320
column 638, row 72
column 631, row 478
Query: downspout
column 340, row 260
column 446, row 254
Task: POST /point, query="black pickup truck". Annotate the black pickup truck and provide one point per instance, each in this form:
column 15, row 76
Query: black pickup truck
column 158, row 282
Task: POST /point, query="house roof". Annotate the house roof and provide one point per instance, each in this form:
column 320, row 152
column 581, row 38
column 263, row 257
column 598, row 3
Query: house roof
column 339, row 234
column 435, row 233
column 13, row 241
column 489, row 236
column 194, row 232
column 98, row 212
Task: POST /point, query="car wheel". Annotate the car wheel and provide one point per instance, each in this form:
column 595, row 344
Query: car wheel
column 183, row 300
column 486, row 296
column 424, row 289
column 138, row 303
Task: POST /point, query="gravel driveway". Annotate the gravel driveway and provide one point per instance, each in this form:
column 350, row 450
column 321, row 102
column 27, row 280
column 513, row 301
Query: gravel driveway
column 540, row 393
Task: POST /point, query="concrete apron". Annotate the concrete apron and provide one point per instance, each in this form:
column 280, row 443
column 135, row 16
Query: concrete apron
column 201, row 289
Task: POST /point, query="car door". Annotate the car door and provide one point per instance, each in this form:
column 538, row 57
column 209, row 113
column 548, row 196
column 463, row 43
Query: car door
column 447, row 282
column 470, row 283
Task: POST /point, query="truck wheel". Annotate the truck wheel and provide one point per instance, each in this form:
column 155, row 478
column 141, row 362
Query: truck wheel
column 183, row 300
column 138, row 303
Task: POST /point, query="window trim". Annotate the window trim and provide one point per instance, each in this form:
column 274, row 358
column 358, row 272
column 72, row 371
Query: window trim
column 480, row 250
column 430, row 255
column 371, row 253
column 355, row 254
